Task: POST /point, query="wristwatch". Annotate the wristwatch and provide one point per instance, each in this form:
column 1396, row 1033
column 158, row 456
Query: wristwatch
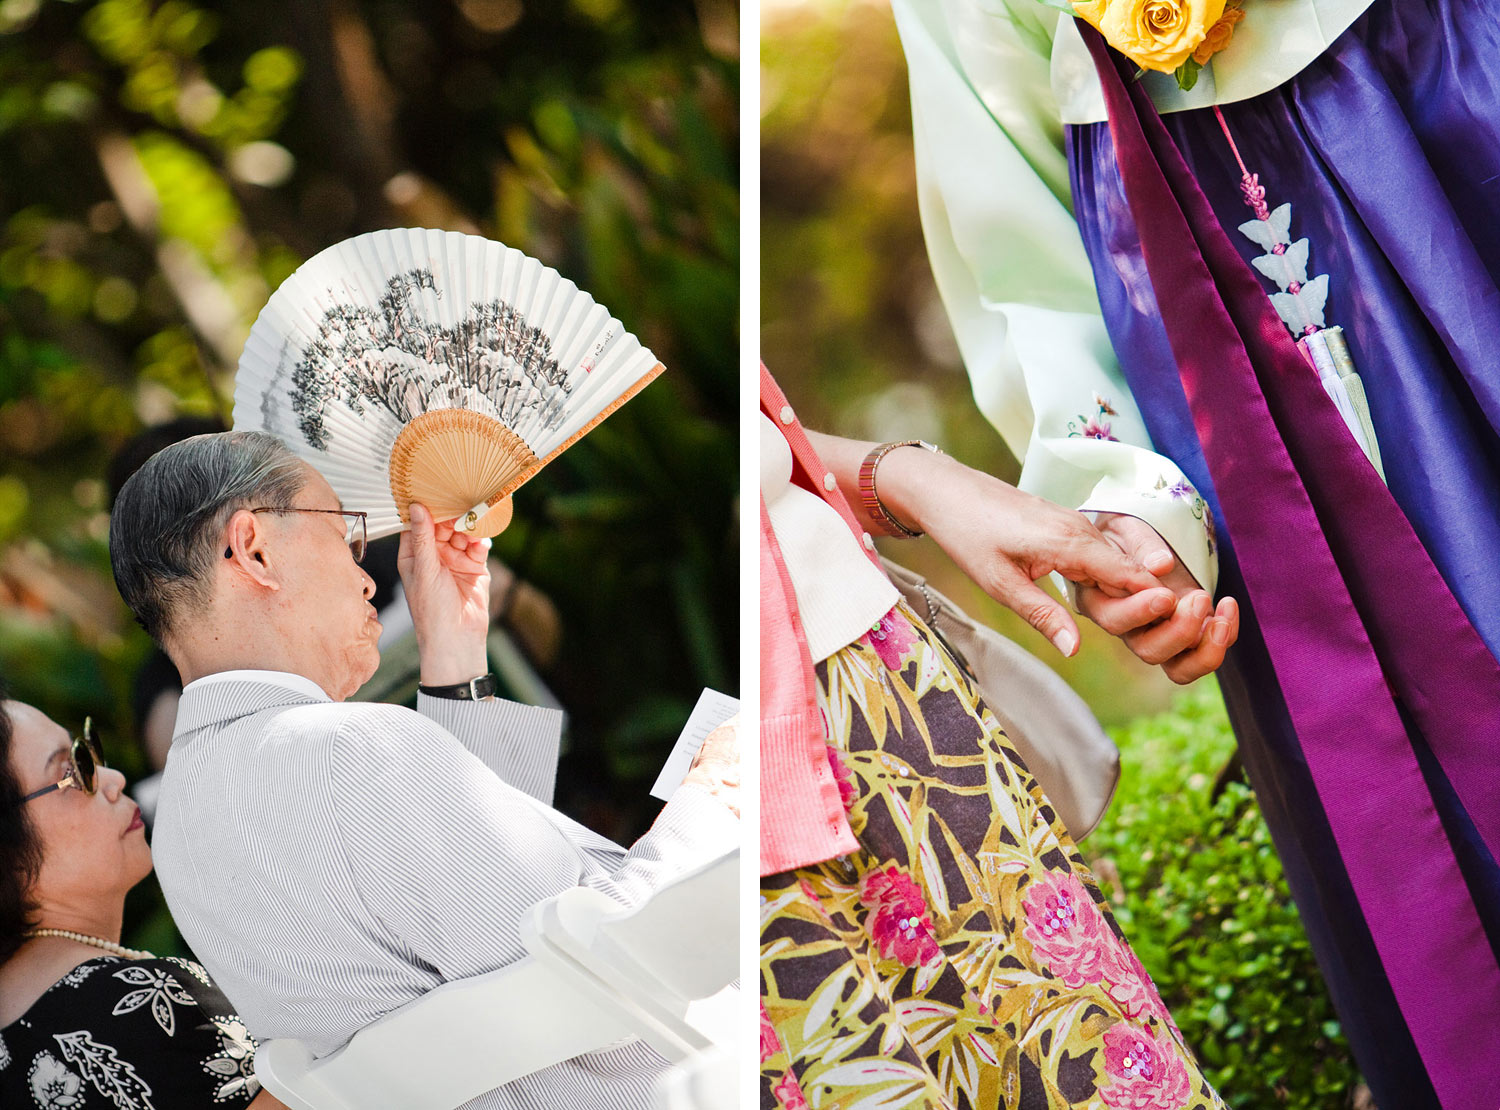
column 476, row 689
column 871, row 500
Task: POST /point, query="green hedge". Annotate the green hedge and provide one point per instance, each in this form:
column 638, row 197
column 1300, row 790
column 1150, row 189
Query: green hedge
column 1198, row 888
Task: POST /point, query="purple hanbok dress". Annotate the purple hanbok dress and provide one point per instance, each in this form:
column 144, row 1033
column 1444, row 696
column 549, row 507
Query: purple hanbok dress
column 1364, row 688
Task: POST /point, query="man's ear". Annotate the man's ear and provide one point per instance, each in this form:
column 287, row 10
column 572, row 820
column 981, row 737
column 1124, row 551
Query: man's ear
column 246, row 549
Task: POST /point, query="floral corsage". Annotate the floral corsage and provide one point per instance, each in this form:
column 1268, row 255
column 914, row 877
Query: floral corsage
column 1169, row 36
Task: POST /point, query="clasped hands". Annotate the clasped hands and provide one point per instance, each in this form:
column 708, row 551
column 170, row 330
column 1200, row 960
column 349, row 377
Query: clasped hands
column 1128, row 580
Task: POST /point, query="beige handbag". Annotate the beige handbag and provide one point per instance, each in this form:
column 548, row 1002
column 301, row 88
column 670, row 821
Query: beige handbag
column 1054, row 730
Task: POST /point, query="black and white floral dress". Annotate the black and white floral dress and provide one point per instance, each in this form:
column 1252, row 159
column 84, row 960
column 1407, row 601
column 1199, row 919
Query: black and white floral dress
column 131, row 1035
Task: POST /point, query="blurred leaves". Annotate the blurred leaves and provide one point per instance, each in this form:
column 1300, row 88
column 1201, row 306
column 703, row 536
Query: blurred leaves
column 164, row 164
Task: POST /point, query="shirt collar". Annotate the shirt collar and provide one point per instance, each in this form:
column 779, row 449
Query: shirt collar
column 295, row 682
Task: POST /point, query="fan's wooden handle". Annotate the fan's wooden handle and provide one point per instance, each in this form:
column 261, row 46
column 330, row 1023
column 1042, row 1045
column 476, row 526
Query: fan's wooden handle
column 485, row 519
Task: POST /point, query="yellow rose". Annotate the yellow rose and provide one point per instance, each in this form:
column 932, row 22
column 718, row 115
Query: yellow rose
column 1218, row 35
column 1154, row 34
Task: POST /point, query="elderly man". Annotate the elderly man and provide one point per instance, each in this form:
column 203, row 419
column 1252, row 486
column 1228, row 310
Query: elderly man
column 330, row 861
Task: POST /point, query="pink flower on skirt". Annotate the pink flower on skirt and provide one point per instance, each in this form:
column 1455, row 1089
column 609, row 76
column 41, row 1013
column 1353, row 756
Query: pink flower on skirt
column 891, row 635
column 898, row 917
column 1066, row 930
column 843, row 776
column 789, row 1093
column 1147, row 1071
column 770, row 1043
column 1132, row 988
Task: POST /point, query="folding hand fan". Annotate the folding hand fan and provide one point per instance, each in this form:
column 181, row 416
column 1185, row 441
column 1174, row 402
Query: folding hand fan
column 431, row 366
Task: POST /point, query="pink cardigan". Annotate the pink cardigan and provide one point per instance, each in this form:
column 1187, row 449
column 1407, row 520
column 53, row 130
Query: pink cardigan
column 802, row 820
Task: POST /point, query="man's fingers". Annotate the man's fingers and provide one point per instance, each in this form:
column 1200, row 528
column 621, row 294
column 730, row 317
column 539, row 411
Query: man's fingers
column 1119, row 615
column 1097, row 560
column 1219, row 635
column 421, row 530
column 1180, row 632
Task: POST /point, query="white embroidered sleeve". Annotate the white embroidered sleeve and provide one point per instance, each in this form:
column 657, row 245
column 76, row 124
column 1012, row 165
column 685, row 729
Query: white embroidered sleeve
column 1013, row 275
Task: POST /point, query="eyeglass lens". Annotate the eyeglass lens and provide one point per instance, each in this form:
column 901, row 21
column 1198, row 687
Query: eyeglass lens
column 357, row 542
column 86, row 758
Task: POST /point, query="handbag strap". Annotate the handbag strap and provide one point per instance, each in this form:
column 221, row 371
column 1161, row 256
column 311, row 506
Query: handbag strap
column 808, row 470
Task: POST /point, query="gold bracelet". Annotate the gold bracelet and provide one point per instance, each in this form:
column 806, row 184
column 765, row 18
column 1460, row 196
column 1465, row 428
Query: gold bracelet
column 871, row 500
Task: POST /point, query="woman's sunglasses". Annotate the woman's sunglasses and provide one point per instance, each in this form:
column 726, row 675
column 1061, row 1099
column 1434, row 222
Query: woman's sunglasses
column 83, row 773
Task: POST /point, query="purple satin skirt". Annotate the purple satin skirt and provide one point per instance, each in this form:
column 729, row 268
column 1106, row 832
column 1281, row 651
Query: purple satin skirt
column 1388, row 149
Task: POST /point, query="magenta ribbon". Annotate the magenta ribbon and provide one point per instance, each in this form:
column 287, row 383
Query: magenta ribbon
column 1356, row 618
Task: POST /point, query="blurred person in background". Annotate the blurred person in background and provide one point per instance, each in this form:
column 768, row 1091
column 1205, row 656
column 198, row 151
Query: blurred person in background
column 82, row 1018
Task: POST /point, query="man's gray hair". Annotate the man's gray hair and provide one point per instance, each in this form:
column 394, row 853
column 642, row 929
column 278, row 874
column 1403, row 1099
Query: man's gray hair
column 167, row 525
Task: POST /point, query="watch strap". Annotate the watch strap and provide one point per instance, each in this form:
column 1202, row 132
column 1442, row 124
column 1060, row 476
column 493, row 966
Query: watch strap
column 476, row 689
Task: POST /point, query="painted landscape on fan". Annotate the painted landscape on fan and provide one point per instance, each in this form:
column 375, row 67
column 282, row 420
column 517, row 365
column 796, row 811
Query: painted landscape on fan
column 362, row 347
column 492, row 360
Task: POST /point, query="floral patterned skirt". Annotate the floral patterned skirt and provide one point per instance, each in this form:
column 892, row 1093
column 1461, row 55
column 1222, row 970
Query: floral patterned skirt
column 964, row 957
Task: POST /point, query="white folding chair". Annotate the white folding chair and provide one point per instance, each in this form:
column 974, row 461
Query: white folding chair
column 452, row 1044
column 674, row 957
column 471, row 1035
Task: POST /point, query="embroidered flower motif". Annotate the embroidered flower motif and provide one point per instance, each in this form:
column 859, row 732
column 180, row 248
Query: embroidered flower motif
column 1147, row 1071
column 114, row 1078
column 1066, row 930
column 789, row 1093
column 899, row 923
column 53, row 1086
column 4, row 1054
column 1095, row 429
column 770, row 1043
column 157, row 988
column 193, row 968
column 890, row 636
column 234, row 1063
column 843, row 776
column 1181, row 490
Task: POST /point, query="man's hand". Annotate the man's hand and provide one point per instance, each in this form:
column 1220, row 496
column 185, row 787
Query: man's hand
column 448, row 591
column 1005, row 540
column 1189, row 639
column 716, row 767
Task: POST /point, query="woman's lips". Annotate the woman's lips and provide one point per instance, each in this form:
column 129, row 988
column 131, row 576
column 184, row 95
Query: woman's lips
column 136, row 822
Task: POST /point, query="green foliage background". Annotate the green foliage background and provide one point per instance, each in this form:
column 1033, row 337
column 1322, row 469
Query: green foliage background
column 1198, row 889
column 853, row 329
column 164, row 164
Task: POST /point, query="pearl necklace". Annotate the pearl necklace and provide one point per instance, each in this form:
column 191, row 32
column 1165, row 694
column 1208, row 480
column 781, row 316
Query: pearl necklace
column 82, row 938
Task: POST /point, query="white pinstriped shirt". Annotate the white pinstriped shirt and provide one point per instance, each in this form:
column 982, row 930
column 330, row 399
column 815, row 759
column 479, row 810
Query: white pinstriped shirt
column 329, row 862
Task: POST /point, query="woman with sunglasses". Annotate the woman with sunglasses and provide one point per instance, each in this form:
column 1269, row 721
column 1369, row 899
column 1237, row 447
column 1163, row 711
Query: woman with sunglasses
column 83, row 1019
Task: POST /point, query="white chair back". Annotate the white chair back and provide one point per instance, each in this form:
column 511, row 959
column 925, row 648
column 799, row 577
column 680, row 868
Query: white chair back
column 597, row 974
column 674, row 956
column 452, row 1044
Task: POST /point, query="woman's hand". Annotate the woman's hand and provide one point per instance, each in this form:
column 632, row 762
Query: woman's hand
column 1005, row 540
column 448, row 591
column 1188, row 643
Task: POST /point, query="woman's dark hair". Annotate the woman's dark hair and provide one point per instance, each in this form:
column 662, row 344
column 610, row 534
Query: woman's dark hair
column 20, row 851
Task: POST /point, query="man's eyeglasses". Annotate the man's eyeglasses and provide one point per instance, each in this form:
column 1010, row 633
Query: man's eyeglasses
column 354, row 527
column 84, row 762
